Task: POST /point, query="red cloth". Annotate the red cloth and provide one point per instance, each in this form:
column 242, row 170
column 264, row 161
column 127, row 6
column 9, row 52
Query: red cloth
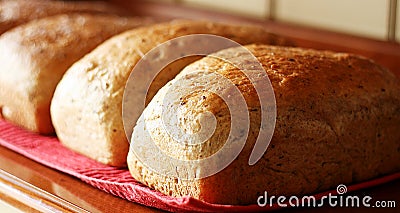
column 48, row 151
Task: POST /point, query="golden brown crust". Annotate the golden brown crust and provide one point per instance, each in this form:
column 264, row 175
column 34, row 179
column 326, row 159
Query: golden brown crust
column 94, row 104
column 34, row 57
column 17, row 12
column 338, row 117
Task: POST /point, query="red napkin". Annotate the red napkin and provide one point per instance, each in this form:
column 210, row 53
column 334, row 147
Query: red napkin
column 49, row 151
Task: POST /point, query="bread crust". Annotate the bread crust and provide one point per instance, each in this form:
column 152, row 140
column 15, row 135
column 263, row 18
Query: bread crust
column 94, row 104
column 35, row 56
column 338, row 117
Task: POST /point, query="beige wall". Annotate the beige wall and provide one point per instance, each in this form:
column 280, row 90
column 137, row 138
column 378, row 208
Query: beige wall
column 367, row 18
column 251, row 8
column 361, row 17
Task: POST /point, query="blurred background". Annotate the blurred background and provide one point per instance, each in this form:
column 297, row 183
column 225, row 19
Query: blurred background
column 376, row 19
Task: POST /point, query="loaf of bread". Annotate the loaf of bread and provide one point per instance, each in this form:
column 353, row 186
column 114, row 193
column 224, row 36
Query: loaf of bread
column 17, row 12
column 34, row 57
column 87, row 106
column 338, row 121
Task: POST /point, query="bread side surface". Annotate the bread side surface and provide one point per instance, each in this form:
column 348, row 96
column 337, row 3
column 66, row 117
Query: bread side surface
column 337, row 122
column 100, row 77
column 34, row 57
column 17, row 12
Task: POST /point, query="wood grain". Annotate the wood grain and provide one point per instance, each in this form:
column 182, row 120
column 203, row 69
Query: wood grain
column 67, row 188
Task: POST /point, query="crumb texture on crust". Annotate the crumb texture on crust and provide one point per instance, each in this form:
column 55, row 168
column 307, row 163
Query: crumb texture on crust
column 337, row 122
column 94, row 103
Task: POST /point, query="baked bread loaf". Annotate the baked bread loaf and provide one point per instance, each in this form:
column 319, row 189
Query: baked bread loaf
column 88, row 115
column 34, row 57
column 338, row 121
column 17, row 12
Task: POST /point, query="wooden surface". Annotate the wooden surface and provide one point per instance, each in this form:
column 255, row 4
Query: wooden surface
column 50, row 188
column 75, row 195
